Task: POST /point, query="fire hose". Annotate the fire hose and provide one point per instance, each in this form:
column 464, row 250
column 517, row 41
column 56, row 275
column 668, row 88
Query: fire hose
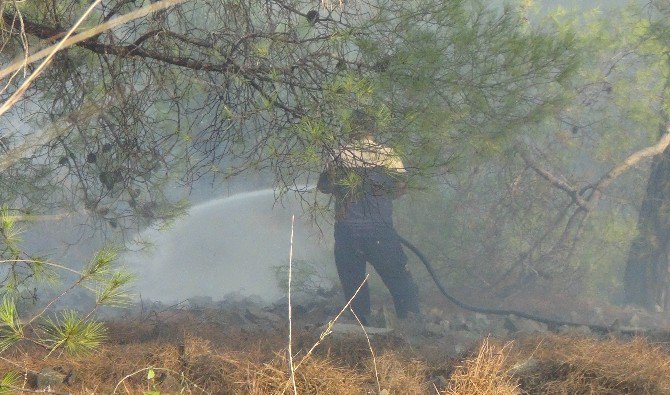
column 552, row 324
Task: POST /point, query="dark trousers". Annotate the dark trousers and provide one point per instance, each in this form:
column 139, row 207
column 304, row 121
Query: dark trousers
column 381, row 247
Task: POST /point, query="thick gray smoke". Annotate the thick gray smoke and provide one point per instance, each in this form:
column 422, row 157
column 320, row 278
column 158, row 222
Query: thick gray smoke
column 227, row 245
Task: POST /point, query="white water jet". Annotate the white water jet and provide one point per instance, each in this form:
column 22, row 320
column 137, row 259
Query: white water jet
column 227, row 245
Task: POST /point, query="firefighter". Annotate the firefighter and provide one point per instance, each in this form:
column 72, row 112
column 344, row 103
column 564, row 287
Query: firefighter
column 365, row 177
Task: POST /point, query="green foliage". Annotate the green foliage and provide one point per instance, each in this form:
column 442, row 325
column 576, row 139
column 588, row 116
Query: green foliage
column 9, row 382
column 454, row 86
column 72, row 333
column 101, row 265
column 56, row 331
column 11, row 330
column 114, row 290
column 10, row 234
column 151, row 376
column 504, row 221
column 466, row 78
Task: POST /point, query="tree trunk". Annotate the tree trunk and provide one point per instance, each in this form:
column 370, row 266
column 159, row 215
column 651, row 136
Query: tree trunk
column 647, row 279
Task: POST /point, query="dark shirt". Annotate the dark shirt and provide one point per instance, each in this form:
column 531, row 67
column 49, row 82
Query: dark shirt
column 363, row 196
column 364, row 177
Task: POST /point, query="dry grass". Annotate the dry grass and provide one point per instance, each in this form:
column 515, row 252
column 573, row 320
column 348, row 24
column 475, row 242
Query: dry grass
column 209, row 370
column 259, row 365
column 569, row 365
column 484, row 374
column 400, row 375
column 315, row 376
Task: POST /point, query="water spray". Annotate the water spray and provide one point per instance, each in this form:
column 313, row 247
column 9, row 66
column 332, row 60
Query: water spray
column 552, row 323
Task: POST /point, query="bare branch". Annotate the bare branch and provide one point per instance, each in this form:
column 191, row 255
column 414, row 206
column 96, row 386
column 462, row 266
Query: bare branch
column 83, row 36
column 629, row 162
column 54, row 49
column 553, row 180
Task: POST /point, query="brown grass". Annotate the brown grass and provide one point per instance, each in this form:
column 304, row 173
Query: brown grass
column 315, row 376
column 573, row 365
column 259, row 365
column 483, row 374
column 400, row 375
column 222, row 372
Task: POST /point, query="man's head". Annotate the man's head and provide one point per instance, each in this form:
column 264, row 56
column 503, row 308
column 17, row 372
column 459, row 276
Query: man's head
column 362, row 124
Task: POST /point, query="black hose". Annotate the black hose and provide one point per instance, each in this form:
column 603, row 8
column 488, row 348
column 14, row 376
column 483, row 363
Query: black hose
column 551, row 323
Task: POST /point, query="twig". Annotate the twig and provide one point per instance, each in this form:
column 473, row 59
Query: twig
column 68, row 41
column 19, row 92
column 331, row 323
column 26, row 49
column 54, row 300
column 290, row 321
column 45, row 217
column 156, row 369
column 39, row 262
column 374, row 358
column 92, row 32
column 554, row 180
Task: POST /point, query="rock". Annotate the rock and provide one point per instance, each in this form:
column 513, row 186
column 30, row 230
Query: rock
column 463, row 340
column 441, row 328
column 434, row 313
column 467, row 335
column 70, row 377
column 446, row 324
column 200, row 302
column 516, row 324
column 634, row 321
column 31, row 380
column 524, row 368
column 262, row 318
column 50, row 378
column 582, row 330
column 459, row 323
column 498, row 329
column 478, row 323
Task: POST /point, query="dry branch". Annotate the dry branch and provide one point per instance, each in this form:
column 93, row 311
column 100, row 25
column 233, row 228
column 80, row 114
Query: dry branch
column 290, row 318
column 54, row 49
column 629, row 162
column 90, row 33
column 553, row 180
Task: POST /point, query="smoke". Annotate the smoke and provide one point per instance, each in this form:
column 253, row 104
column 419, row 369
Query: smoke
column 227, row 246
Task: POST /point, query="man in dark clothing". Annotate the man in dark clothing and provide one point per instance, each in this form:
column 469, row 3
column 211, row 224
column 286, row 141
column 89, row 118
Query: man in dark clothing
column 365, row 177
